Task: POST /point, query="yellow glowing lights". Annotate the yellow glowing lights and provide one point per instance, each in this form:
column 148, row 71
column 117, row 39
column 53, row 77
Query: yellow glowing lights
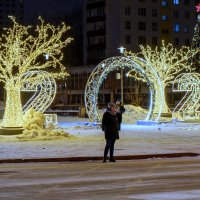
column 188, row 107
column 168, row 62
column 158, row 68
column 44, row 88
column 21, row 55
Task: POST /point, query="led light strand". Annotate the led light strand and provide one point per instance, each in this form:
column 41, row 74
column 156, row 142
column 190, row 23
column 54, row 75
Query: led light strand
column 100, row 73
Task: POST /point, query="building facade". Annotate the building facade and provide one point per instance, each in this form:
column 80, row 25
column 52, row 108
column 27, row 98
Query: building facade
column 109, row 24
column 11, row 8
column 70, row 91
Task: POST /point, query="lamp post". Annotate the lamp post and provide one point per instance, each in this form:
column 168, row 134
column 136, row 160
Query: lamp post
column 121, row 50
column 46, row 56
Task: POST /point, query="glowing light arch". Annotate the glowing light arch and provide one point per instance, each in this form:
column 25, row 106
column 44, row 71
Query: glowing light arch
column 189, row 105
column 44, row 88
column 104, row 68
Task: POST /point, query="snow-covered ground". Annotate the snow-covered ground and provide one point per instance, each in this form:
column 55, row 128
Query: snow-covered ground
column 87, row 139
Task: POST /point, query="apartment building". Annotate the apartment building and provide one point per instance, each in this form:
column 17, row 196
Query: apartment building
column 109, row 24
column 11, row 8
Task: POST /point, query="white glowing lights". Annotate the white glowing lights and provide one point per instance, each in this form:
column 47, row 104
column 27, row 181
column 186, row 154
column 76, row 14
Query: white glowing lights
column 44, row 88
column 188, row 107
column 158, row 69
column 121, row 49
column 100, row 73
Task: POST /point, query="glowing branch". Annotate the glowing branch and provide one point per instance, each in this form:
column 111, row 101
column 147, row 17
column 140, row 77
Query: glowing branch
column 168, row 62
column 21, row 53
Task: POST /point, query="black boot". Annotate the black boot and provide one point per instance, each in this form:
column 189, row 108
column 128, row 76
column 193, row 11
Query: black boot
column 112, row 159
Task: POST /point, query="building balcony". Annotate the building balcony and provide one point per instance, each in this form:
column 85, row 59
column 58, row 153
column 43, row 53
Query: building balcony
column 96, row 19
column 94, row 60
column 96, row 46
column 99, row 32
column 97, row 4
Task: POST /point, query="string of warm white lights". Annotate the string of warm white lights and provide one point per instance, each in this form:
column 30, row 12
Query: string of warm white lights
column 100, row 73
column 188, row 107
column 168, row 62
column 20, row 54
column 45, row 91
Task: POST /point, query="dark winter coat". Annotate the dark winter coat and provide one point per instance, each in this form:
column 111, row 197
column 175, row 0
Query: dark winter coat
column 110, row 125
column 120, row 111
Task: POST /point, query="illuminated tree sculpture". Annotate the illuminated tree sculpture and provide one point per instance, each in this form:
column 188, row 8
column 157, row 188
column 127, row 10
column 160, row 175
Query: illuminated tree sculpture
column 21, row 53
column 168, row 62
column 196, row 37
column 188, row 107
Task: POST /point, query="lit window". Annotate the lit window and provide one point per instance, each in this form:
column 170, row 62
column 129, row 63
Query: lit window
column 164, row 17
column 176, row 28
column 176, row 2
column 164, row 3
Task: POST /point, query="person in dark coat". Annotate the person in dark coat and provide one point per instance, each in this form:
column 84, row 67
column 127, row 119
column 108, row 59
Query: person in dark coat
column 119, row 111
column 110, row 128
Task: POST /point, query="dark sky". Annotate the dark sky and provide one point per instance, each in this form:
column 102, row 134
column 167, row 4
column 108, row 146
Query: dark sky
column 34, row 8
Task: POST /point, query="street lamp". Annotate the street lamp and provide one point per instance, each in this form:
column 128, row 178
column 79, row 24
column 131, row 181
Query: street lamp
column 121, row 50
column 47, row 56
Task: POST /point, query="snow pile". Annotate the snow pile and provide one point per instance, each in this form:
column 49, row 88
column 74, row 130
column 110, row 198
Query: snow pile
column 34, row 128
column 133, row 113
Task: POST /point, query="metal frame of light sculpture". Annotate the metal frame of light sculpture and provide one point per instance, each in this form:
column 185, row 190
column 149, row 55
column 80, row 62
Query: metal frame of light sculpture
column 100, row 73
column 190, row 103
column 44, row 88
column 152, row 74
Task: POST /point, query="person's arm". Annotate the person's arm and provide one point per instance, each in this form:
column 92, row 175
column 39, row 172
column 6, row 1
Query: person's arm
column 103, row 122
column 122, row 109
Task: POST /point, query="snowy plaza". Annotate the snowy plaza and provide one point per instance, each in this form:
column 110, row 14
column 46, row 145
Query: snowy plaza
column 140, row 106
column 87, row 140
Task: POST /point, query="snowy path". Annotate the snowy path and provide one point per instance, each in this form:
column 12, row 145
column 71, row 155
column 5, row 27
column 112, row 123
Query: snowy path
column 152, row 179
column 89, row 141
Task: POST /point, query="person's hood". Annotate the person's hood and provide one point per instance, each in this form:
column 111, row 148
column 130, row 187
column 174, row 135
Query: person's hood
column 110, row 111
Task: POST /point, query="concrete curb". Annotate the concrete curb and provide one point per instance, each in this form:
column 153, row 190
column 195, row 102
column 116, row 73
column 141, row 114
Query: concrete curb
column 96, row 158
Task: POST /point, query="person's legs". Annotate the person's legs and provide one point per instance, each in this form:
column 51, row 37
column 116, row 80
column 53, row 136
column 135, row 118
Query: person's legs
column 107, row 147
column 112, row 151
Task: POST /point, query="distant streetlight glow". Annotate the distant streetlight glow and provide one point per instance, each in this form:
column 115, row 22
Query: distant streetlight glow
column 47, row 56
column 121, row 49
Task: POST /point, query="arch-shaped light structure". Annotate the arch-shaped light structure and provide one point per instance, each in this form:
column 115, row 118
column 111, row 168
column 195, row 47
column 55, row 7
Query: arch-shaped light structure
column 189, row 105
column 100, row 73
column 44, row 88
